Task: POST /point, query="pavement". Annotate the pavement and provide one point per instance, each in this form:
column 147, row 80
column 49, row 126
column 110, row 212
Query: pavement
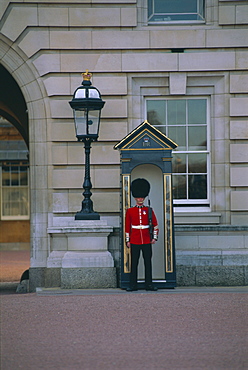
column 176, row 329
column 90, row 329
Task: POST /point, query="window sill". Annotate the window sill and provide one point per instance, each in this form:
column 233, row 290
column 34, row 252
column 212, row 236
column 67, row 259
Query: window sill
column 14, row 218
column 167, row 23
column 197, row 218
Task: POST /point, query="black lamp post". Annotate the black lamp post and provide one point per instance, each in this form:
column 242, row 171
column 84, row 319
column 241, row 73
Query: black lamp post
column 87, row 105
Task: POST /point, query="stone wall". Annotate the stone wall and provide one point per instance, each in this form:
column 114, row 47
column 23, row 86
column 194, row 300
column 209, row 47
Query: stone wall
column 211, row 255
column 51, row 44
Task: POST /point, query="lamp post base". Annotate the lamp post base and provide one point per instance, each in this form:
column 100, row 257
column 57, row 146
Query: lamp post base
column 87, row 216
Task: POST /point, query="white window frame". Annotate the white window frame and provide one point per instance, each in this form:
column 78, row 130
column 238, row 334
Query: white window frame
column 168, row 20
column 14, row 217
column 185, row 205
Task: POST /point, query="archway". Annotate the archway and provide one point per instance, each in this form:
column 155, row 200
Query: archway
column 29, row 116
column 14, row 180
column 12, row 103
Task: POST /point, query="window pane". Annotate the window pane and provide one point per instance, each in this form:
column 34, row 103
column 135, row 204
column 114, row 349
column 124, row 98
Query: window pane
column 197, row 111
column 150, row 10
column 179, row 163
column 197, row 137
column 179, row 187
column 175, row 10
column 162, row 129
column 15, row 201
column 183, row 17
column 178, row 135
column 197, row 163
column 14, row 190
column 14, row 176
column 5, row 176
column 175, row 6
column 23, row 176
column 10, row 202
column 24, row 202
column 156, row 112
column 197, row 186
column 176, row 112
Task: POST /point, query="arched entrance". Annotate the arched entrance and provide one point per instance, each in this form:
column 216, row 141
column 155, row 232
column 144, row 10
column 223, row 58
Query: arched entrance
column 14, row 180
column 28, row 115
column 12, row 103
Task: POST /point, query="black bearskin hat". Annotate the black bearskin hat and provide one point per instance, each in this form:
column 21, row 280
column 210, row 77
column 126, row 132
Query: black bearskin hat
column 140, row 188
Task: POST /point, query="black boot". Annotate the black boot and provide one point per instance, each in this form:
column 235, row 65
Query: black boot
column 132, row 289
column 151, row 288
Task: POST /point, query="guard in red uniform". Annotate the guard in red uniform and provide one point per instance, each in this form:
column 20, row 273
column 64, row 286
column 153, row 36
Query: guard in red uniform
column 138, row 235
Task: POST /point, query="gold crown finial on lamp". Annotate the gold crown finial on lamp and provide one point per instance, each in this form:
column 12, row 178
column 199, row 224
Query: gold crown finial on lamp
column 87, row 75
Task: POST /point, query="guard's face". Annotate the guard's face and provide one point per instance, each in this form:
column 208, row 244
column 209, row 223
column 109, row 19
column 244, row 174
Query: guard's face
column 139, row 201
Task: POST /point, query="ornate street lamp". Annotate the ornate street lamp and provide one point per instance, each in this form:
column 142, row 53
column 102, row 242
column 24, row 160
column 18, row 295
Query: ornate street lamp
column 87, row 105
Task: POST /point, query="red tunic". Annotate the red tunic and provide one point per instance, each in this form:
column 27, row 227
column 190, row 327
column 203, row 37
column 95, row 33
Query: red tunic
column 137, row 225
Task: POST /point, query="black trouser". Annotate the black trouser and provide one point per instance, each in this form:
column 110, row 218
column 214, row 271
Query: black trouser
column 147, row 256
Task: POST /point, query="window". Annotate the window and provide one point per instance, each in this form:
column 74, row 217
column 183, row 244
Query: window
column 14, row 191
column 185, row 121
column 168, row 11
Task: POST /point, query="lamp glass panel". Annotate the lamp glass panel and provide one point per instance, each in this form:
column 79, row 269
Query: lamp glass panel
column 80, row 118
column 93, row 122
column 93, row 93
column 80, row 93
